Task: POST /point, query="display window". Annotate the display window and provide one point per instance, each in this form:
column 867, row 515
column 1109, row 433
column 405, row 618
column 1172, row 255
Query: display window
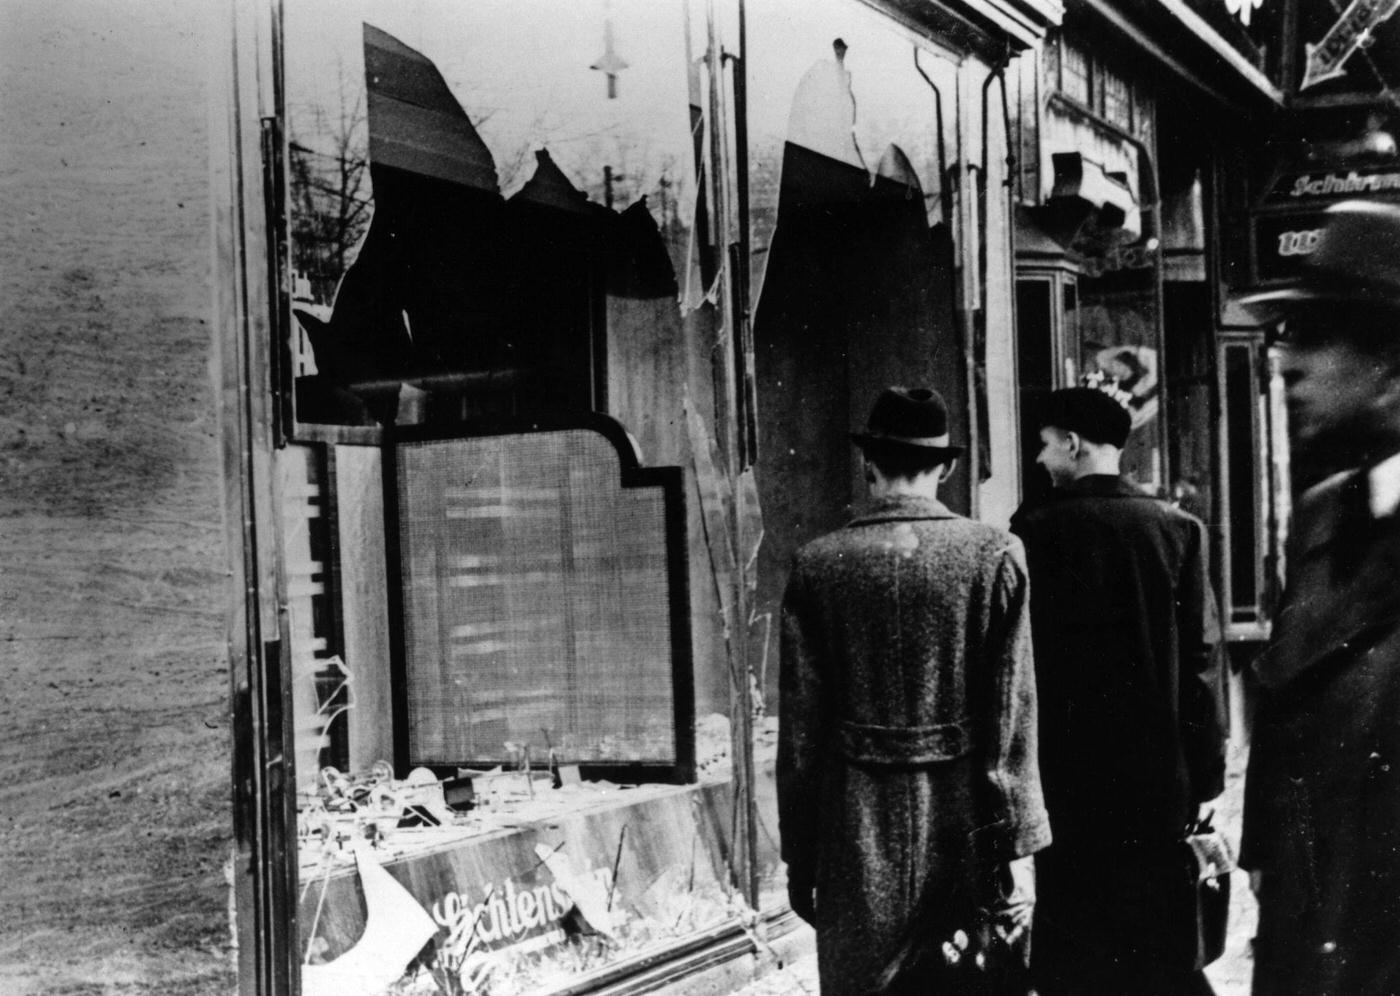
column 572, row 308
column 509, row 621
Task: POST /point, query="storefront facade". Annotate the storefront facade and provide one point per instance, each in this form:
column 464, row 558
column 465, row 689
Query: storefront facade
column 1175, row 156
column 542, row 329
column 1139, row 135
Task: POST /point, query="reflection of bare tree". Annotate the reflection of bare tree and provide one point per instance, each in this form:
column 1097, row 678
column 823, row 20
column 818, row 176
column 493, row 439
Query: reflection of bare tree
column 329, row 190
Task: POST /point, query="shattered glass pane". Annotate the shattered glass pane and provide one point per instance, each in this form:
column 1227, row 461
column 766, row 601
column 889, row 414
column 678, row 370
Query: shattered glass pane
column 478, row 199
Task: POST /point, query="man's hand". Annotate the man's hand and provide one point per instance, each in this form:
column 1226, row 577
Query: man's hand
column 1208, row 808
column 802, row 894
column 1013, row 902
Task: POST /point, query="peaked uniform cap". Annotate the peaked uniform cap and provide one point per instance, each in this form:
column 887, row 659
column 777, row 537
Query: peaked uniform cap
column 1356, row 260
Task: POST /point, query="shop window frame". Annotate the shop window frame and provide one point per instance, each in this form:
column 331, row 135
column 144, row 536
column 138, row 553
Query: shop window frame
column 1252, row 456
column 669, row 480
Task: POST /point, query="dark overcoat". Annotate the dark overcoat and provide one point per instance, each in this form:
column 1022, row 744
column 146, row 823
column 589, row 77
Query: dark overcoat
column 1131, row 712
column 907, row 745
column 1322, row 796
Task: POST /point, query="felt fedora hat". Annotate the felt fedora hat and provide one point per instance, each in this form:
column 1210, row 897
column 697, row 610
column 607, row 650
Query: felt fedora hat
column 1356, row 260
column 913, row 418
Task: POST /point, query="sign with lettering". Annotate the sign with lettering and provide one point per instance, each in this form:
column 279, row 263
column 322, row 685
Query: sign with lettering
column 1137, row 256
column 1327, row 59
column 1283, row 241
column 1298, row 243
column 515, row 909
column 1335, row 184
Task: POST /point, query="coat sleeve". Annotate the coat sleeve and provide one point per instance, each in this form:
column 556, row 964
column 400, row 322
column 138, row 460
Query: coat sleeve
column 1265, row 792
column 802, row 712
column 1200, row 673
column 1019, row 824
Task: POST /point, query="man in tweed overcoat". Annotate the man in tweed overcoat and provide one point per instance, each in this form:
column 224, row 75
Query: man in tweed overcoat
column 907, row 774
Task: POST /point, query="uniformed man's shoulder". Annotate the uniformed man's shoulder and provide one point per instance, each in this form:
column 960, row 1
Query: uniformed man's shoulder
column 1325, row 491
column 1316, row 510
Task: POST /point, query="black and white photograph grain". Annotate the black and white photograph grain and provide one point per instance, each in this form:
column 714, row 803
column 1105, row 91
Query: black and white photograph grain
column 699, row 497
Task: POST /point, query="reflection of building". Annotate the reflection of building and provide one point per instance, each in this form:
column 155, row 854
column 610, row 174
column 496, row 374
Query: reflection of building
column 1136, row 125
column 1170, row 159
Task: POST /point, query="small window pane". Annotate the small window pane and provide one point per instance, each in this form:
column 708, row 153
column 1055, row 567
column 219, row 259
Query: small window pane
column 1075, row 76
column 1117, row 100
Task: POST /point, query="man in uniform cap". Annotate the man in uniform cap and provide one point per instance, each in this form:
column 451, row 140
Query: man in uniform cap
column 1322, row 795
column 907, row 778
column 1131, row 708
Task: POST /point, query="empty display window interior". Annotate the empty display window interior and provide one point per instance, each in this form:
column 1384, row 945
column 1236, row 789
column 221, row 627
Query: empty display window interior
column 545, row 610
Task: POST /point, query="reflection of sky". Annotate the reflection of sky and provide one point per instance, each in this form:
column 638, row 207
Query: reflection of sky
column 520, row 68
column 893, row 103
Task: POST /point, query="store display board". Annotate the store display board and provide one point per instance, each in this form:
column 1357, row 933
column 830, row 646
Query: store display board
column 545, row 603
column 634, row 870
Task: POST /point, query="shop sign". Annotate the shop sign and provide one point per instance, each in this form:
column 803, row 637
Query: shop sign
column 1309, row 186
column 528, row 908
column 1139, row 256
column 1298, row 243
column 1327, row 59
column 1282, row 242
column 507, row 915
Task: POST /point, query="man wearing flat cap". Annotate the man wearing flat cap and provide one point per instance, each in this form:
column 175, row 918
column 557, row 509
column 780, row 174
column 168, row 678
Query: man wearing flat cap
column 907, row 777
column 1322, row 793
column 1131, row 708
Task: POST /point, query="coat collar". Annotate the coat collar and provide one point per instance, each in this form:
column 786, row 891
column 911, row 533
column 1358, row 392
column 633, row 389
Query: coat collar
column 1329, row 611
column 1099, row 486
column 902, row 508
column 1090, row 486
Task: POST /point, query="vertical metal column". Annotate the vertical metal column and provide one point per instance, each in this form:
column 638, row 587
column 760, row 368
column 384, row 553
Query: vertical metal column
column 264, row 804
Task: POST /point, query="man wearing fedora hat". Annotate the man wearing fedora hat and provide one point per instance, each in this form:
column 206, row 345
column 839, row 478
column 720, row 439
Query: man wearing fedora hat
column 1131, row 708
column 907, row 775
column 1322, row 793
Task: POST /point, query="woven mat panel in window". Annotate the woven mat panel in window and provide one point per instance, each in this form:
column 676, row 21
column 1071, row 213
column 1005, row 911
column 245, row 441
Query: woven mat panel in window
column 542, row 573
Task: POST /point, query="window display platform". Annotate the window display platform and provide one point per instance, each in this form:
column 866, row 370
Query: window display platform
column 538, row 892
